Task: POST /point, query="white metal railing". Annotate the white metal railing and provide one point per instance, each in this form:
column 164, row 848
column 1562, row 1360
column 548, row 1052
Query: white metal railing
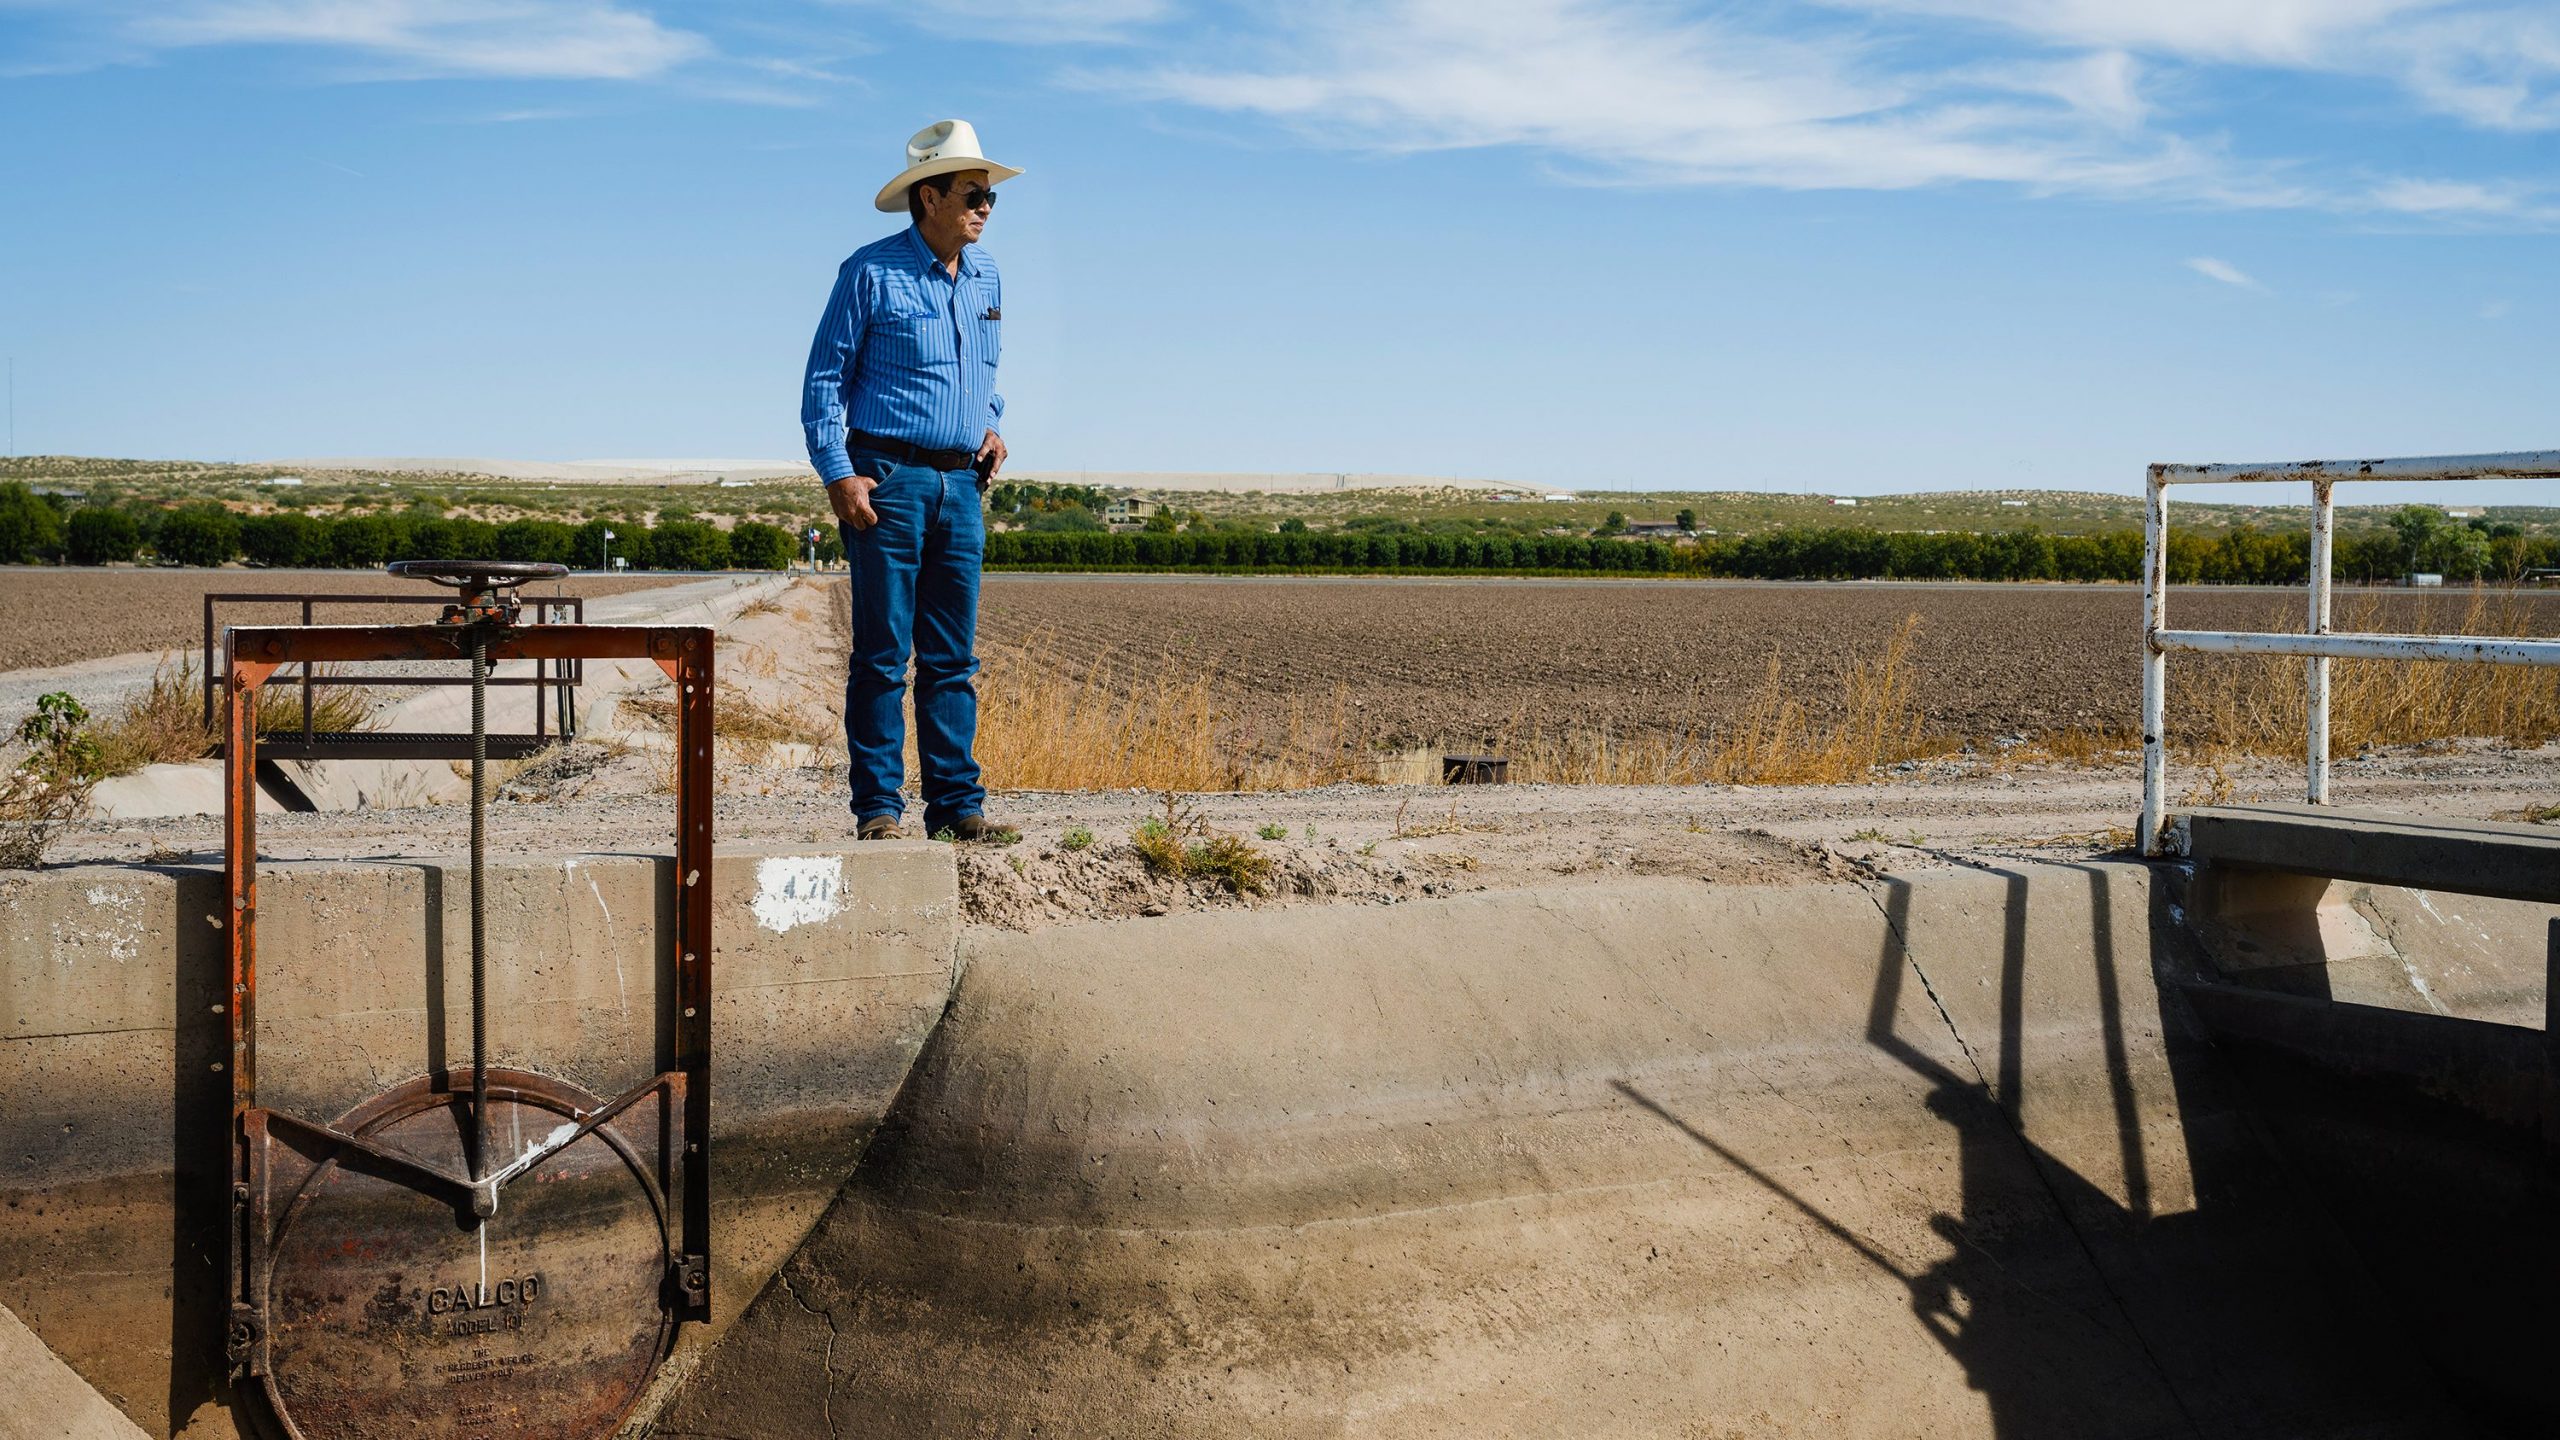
column 2320, row 645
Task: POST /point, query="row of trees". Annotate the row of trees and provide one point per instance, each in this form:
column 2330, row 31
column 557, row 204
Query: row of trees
column 2238, row 557
column 33, row 531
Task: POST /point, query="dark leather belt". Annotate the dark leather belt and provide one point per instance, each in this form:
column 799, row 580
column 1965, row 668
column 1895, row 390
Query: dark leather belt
column 906, row 454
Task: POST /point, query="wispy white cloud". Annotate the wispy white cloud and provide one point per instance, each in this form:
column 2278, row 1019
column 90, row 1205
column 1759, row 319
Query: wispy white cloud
column 2225, row 272
column 546, row 39
column 2277, row 32
column 1040, row 22
column 2491, row 63
column 2080, row 96
column 1614, row 90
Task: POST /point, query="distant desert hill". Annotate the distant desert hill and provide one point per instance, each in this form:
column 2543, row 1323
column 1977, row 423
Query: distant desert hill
column 605, row 472
column 1238, row 483
column 678, row 471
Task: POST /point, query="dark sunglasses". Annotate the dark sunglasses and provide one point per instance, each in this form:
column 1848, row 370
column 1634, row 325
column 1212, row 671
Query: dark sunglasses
column 977, row 197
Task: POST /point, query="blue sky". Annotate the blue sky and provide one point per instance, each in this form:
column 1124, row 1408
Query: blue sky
column 1859, row 246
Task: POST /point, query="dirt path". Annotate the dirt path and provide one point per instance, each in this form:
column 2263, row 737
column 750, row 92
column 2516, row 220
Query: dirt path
column 69, row 615
column 60, row 615
column 1351, row 844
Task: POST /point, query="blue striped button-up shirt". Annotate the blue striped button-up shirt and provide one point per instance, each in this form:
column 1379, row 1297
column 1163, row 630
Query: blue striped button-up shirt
column 906, row 350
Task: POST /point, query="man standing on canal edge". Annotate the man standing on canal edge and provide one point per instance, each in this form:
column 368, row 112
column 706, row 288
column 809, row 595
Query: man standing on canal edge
column 901, row 415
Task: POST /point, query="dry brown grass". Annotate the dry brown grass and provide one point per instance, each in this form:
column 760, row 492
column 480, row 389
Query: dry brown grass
column 1043, row 728
column 1119, row 722
column 164, row 723
column 1040, row 728
column 750, row 726
column 2221, row 706
column 1775, row 741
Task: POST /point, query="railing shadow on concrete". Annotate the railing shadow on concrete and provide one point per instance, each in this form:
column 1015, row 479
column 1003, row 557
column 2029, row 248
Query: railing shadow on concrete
column 2232, row 1287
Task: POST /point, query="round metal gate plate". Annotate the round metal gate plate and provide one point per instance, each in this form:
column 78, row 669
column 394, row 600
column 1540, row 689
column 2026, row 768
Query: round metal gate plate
column 393, row 1312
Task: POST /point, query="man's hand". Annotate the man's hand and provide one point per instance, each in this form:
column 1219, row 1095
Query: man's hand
column 993, row 446
column 851, row 499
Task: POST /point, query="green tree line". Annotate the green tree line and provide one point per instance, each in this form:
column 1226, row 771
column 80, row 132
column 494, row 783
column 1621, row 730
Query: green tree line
column 2239, row 557
column 35, row 529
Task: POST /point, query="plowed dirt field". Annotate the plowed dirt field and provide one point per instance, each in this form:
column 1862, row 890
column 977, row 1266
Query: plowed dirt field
column 1454, row 662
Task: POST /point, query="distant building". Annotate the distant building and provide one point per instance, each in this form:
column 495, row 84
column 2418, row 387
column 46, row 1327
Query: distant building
column 1127, row 513
column 285, row 480
column 1564, row 499
column 1652, row 529
column 1844, row 501
column 2015, row 504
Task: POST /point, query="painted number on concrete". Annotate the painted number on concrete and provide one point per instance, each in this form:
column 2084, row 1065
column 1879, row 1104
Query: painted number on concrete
column 796, row 890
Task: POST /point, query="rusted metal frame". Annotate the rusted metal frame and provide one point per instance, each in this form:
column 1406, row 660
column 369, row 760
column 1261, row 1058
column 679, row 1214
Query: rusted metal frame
column 252, row 655
column 570, row 674
column 691, row 669
column 356, row 644
column 2316, row 667
column 306, row 679
column 239, row 921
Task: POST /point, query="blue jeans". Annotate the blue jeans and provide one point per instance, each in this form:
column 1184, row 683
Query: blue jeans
column 915, row 592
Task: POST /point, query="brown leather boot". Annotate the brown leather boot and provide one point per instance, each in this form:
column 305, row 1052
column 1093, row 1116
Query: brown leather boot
column 880, row 827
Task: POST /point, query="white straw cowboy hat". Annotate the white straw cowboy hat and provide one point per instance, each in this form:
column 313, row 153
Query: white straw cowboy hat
column 941, row 148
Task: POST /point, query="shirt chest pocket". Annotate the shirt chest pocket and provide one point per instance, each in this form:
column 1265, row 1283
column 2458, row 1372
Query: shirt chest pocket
column 914, row 328
column 986, row 334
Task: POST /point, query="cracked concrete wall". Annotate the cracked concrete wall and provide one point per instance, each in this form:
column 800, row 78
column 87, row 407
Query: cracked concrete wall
column 1924, row 1155
column 829, row 970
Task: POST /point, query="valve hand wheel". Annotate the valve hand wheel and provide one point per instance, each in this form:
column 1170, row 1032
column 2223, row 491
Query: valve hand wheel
column 478, row 574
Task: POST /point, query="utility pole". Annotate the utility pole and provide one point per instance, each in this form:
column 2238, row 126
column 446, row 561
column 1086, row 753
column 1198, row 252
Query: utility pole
column 13, row 407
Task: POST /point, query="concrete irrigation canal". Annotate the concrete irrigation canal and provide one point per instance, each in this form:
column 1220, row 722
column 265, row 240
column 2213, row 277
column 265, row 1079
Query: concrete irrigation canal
column 2193, row 1147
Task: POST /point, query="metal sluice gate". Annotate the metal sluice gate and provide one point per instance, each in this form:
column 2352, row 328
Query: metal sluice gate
column 482, row 1251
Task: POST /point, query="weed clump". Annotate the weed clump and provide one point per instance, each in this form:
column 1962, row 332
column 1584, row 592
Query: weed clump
column 1273, row 832
column 49, row 785
column 1229, row 860
column 1155, row 843
column 1078, row 837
